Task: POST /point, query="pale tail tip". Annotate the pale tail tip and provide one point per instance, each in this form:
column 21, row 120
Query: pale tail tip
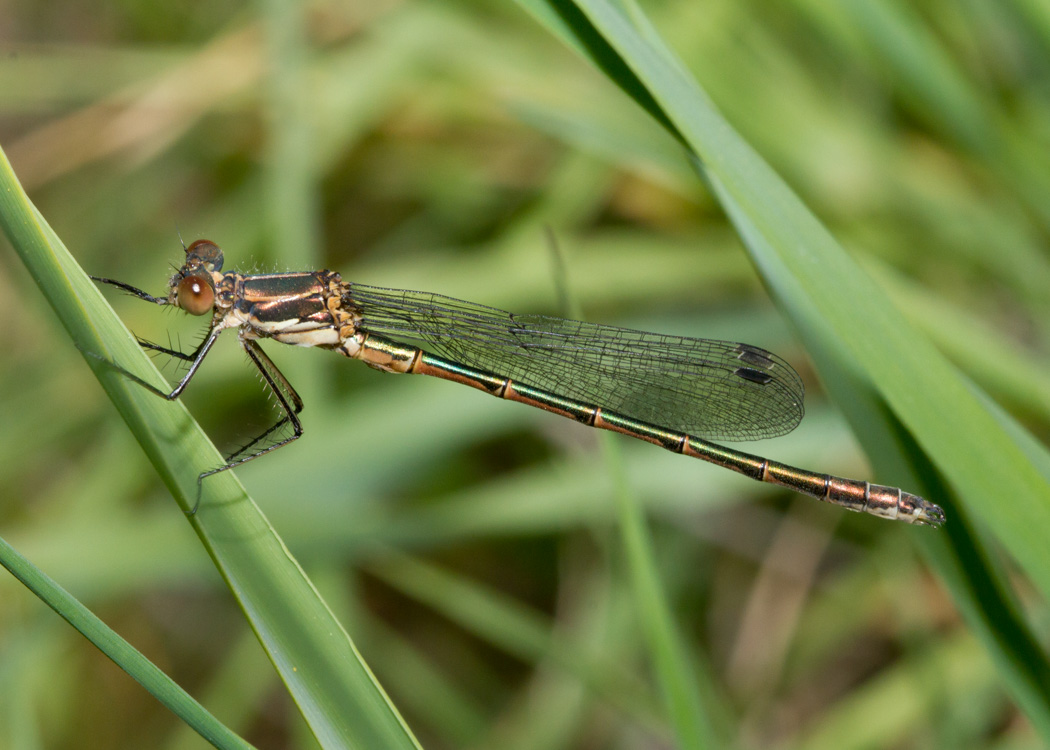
column 926, row 513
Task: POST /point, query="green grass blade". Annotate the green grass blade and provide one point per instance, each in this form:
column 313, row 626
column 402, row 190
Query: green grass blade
column 803, row 264
column 922, row 423
column 692, row 706
column 333, row 687
column 120, row 651
column 689, row 695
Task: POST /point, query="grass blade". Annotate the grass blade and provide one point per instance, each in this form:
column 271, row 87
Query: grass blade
column 333, row 687
column 921, row 422
column 120, row 651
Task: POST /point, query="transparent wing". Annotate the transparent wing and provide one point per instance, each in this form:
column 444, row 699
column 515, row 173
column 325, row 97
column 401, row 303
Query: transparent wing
column 718, row 390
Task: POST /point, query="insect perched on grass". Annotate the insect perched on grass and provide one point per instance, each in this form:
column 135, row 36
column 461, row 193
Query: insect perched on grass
column 674, row 391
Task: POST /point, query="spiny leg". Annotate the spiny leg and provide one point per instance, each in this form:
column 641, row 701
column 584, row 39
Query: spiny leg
column 283, row 387
column 195, row 361
column 173, row 353
column 286, row 397
column 132, row 290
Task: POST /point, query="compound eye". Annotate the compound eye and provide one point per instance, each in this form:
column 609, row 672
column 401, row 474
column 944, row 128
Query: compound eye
column 205, row 252
column 195, row 295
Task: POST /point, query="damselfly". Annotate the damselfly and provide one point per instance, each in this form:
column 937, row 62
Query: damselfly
column 674, row 391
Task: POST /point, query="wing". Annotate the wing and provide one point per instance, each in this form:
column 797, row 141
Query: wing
column 719, row 390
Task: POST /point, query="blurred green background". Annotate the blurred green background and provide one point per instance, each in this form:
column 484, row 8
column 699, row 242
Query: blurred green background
column 469, row 545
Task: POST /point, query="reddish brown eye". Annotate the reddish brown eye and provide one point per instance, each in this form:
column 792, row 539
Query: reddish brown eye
column 195, row 295
column 205, row 252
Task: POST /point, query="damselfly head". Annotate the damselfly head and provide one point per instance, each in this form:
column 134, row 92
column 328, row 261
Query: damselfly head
column 193, row 287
